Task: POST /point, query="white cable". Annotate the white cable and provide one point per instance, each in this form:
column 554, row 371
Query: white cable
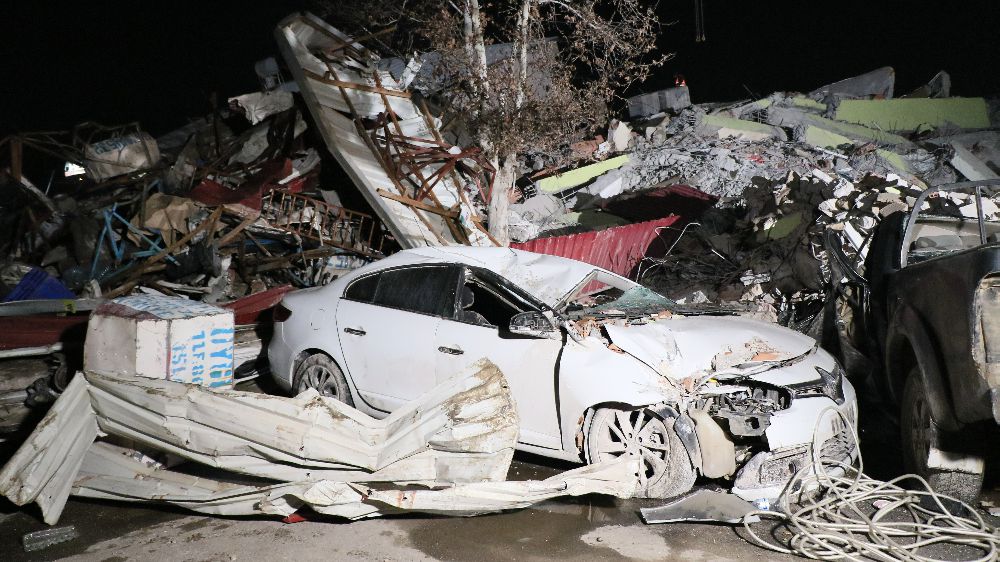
column 834, row 524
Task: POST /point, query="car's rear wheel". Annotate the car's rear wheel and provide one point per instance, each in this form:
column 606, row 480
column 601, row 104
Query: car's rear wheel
column 666, row 469
column 921, row 435
column 320, row 372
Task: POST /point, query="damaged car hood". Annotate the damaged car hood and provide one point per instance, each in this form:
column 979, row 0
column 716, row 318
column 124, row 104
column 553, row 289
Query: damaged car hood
column 678, row 348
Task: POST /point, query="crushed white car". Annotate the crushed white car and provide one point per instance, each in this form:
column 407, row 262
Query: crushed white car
column 598, row 366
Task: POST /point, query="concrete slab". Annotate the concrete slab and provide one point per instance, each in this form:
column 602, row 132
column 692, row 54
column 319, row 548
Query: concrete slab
column 579, row 176
column 911, row 113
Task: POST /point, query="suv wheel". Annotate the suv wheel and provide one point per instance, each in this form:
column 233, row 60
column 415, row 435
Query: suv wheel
column 320, row 372
column 920, row 435
column 665, row 471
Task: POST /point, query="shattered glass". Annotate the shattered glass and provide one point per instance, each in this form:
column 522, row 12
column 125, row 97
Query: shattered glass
column 633, row 302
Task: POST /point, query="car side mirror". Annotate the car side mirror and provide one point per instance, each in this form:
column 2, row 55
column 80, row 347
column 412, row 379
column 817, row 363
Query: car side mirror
column 534, row 324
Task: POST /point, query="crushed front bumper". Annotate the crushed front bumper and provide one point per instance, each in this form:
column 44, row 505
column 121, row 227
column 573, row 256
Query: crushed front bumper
column 767, row 474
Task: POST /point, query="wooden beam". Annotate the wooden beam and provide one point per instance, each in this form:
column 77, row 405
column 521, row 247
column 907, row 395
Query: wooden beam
column 418, row 204
column 356, row 86
column 236, row 230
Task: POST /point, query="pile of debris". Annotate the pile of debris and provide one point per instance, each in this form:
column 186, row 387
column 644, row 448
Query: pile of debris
column 216, row 216
column 710, row 203
column 780, row 171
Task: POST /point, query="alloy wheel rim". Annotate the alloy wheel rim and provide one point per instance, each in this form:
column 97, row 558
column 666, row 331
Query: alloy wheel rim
column 321, row 379
column 635, row 433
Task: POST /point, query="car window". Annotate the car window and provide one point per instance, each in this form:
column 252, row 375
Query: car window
column 363, row 290
column 948, row 221
column 422, row 289
column 487, row 304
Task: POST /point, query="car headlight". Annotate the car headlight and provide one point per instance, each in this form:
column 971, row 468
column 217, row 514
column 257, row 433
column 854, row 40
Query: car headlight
column 830, row 384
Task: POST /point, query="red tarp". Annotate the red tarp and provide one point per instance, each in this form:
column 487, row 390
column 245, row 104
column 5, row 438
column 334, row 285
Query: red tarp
column 617, row 249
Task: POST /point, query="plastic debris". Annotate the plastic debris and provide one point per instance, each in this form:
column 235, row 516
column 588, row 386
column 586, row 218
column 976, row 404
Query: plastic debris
column 45, row 538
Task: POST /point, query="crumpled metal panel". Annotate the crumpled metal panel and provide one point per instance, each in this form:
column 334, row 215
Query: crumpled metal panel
column 618, row 249
column 112, row 473
column 458, row 438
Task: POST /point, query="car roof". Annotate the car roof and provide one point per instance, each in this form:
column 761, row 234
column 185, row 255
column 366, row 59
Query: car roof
column 547, row 278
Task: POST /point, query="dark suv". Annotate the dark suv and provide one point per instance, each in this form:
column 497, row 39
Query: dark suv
column 922, row 316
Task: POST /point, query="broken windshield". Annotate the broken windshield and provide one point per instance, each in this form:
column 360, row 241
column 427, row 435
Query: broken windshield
column 602, row 294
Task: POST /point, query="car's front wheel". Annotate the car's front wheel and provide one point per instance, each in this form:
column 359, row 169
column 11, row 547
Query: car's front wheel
column 921, row 435
column 320, row 372
column 665, row 470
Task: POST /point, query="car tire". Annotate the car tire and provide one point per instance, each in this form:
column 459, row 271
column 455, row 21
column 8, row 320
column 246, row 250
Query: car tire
column 920, row 433
column 666, row 469
column 320, row 372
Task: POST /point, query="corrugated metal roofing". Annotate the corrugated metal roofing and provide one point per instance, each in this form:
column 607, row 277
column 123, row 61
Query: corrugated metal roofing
column 618, row 249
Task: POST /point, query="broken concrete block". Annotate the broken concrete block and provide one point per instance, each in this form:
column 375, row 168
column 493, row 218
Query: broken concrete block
column 674, row 99
column 938, row 87
column 806, row 103
column 970, row 210
column 620, row 136
column 887, row 197
column 910, row 113
column 162, row 337
column 828, row 207
column 969, row 165
column 791, row 117
column 726, row 127
column 702, row 506
column 877, row 83
column 893, row 208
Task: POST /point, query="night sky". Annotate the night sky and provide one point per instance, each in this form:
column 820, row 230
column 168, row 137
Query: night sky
column 157, row 62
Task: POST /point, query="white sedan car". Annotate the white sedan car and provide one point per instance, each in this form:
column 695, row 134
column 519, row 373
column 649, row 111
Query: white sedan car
column 598, row 366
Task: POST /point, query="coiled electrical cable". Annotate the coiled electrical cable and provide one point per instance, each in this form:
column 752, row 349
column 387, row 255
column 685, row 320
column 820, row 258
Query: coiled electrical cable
column 837, row 523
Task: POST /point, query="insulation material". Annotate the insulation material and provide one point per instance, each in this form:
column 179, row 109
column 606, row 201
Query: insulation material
column 162, row 338
column 458, row 438
column 257, row 106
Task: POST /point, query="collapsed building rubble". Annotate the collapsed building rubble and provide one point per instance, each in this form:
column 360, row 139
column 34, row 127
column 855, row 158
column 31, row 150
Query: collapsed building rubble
column 783, row 169
column 232, row 204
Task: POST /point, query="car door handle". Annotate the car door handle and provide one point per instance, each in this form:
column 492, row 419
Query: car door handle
column 355, row 331
column 450, row 350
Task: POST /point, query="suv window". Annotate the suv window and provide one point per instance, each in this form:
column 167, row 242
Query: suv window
column 422, row 289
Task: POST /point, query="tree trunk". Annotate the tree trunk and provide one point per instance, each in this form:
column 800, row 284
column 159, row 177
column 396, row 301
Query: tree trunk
column 499, row 211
